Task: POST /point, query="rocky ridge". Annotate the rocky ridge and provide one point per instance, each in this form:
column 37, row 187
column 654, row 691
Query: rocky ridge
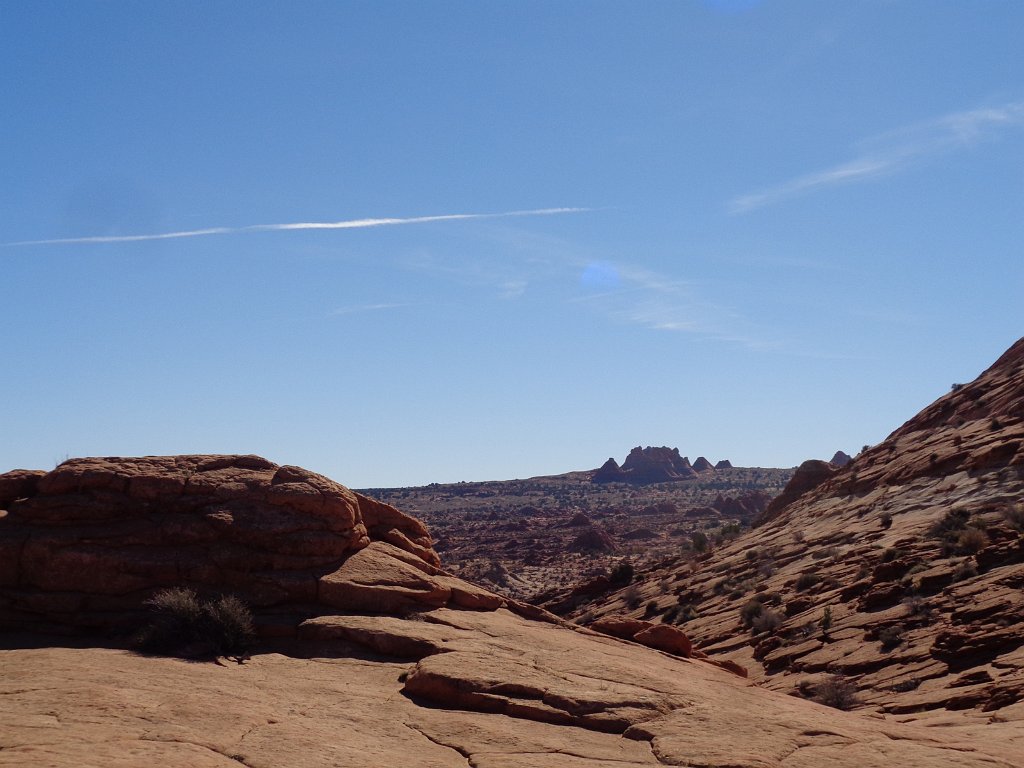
column 902, row 571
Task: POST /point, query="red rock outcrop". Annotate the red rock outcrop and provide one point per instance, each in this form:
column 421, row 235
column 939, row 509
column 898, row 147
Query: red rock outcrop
column 902, row 571
column 86, row 544
column 644, row 466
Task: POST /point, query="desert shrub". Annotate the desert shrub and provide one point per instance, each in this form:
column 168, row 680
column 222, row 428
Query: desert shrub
column 750, row 611
column 970, row 541
column 806, row 581
column 890, row 637
column 1014, row 516
column 798, row 536
column 700, row 541
column 836, row 691
column 729, row 531
column 751, row 555
column 687, row 611
column 891, row 554
column 631, row 596
column 622, row 574
column 886, row 520
column 669, row 616
column 767, row 621
column 650, row 609
column 965, row 570
column 722, row 586
column 182, row 624
column 949, row 525
column 916, row 606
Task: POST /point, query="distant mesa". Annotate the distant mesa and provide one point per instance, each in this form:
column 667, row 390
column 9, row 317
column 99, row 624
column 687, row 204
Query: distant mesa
column 644, row 466
column 841, row 459
column 724, row 464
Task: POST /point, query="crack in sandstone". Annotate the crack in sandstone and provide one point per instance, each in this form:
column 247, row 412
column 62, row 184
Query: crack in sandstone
column 465, row 754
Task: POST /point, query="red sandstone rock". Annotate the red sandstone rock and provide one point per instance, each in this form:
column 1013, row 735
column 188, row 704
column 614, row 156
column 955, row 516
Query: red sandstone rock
column 87, row 543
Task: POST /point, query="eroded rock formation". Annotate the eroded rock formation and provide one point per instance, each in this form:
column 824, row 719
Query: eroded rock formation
column 902, row 571
column 388, row 660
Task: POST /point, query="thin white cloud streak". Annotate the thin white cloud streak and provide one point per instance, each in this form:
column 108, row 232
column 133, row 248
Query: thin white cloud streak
column 348, row 224
column 895, row 150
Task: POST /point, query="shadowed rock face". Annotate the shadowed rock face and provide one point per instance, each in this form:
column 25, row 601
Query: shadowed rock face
column 394, row 663
column 85, row 544
column 915, row 550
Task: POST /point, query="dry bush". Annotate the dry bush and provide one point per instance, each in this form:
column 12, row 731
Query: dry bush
column 836, row 691
column 767, row 621
column 182, row 625
column 806, row 581
column 751, row 610
column 971, row 540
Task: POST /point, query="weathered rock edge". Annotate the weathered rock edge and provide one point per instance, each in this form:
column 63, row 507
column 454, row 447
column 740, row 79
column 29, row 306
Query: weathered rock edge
column 83, row 546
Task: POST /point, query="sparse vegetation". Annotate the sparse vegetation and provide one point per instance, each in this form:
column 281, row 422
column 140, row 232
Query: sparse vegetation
column 806, row 581
column 1014, row 516
column 826, row 620
column 183, row 625
column 767, row 621
column 970, row 541
column 622, row 574
column 631, row 596
column 751, row 610
column 700, row 541
column 966, row 569
column 890, row 637
column 836, row 691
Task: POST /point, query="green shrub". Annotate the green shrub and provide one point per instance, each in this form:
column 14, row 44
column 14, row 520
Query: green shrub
column 182, row 625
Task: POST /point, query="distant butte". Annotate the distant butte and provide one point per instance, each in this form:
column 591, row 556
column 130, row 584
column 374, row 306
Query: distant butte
column 644, row 466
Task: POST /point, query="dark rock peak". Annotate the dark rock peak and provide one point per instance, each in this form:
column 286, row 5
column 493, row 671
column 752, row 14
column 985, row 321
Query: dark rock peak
column 724, row 464
column 841, row 459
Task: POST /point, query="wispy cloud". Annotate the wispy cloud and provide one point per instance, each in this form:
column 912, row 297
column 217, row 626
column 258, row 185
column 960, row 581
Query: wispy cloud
column 894, row 150
column 346, row 224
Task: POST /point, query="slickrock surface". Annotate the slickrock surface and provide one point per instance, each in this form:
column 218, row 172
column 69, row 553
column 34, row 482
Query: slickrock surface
column 903, row 571
column 398, row 662
column 455, row 688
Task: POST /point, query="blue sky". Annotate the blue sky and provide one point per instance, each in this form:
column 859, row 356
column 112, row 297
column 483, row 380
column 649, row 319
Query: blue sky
column 760, row 231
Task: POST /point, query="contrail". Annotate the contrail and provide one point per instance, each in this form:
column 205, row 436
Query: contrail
column 349, row 224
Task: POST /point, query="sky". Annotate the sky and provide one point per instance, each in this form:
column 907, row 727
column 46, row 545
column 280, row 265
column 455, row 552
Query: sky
column 410, row 242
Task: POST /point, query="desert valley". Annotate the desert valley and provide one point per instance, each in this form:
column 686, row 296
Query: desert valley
column 869, row 614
